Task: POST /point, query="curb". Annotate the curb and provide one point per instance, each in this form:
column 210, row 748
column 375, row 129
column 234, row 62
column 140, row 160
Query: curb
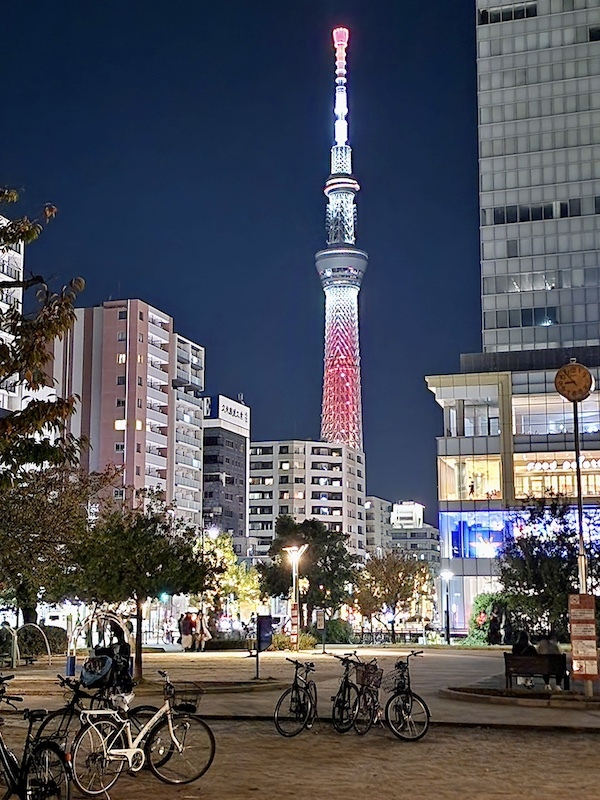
column 525, row 702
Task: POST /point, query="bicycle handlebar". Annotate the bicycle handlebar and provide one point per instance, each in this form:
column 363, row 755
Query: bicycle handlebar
column 309, row 666
column 12, row 698
column 5, row 678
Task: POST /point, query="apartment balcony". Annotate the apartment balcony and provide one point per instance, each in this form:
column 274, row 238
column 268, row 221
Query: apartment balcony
column 158, row 329
column 157, row 416
column 158, row 353
column 188, row 418
column 183, row 357
column 187, row 461
column 180, row 480
column 190, row 399
column 159, row 439
column 189, row 440
column 154, row 460
column 159, row 375
column 158, row 395
column 154, row 482
column 184, row 503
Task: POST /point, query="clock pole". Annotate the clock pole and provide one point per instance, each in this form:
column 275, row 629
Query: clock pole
column 581, row 557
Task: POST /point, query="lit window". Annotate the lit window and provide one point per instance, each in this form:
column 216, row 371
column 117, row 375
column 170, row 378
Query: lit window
column 121, row 358
column 284, row 465
column 140, row 358
column 139, row 424
column 120, row 424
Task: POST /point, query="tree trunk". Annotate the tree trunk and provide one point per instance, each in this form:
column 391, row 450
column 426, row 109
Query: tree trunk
column 309, row 614
column 137, row 661
column 393, row 630
column 26, row 604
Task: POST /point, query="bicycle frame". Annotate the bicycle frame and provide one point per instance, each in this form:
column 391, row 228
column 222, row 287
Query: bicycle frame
column 133, row 753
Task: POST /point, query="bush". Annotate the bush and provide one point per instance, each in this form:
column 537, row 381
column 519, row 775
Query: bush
column 31, row 641
column 337, row 631
column 281, row 641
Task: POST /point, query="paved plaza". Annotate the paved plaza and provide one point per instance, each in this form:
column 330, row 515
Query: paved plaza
column 518, row 751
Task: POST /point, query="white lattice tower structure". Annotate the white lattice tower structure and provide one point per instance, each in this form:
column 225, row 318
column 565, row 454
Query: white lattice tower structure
column 341, row 267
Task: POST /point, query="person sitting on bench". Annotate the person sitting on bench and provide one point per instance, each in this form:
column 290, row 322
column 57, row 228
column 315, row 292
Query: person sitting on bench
column 548, row 645
column 523, row 647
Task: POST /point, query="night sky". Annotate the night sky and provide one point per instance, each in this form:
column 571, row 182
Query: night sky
column 186, row 145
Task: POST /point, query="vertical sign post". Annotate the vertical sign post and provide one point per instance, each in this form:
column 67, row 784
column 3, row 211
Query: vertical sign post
column 294, row 631
column 582, row 619
column 321, row 623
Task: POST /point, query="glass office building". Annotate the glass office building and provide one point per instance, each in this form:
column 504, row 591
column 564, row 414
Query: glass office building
column 507, row 433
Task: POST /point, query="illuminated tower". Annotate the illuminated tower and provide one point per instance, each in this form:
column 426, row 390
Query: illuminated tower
column 341, row 267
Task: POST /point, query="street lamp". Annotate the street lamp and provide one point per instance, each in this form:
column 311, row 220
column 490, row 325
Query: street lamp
column 295, row 553
column 446, row 575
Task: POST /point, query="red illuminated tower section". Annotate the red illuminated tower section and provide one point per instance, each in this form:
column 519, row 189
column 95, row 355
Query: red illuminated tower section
column 341, row 267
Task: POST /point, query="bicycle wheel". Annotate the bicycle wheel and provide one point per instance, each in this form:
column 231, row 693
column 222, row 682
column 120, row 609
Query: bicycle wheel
column 342, row 713
column 364, row 712
column 184, row 756
column 312, row 691
column 59, row 726
column 408, row 716
column 94, row 771
column 46, row 775
column 293, row 711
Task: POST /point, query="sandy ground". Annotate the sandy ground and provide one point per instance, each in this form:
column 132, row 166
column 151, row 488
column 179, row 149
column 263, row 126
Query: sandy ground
column 253, row 761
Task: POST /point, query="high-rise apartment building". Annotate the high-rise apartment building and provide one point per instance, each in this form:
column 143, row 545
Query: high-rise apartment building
column 140, row 383
column 411, row 535
column 507, row 433
column 377, row 516
column 306, row 480
column 11, row 269
column 226, row 470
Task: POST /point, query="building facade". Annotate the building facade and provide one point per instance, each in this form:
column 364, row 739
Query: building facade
column 11, row 270
column 306, row 479
column 226, row 470
column 140, row 384
column 410, row 534
column 377, row 518
column 507, row 433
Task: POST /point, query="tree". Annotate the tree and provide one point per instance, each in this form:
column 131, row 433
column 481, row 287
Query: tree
column 538, row 564
column 43, row 514
column 37, row 433
column 327, row 566
column 397, row 581
column 365, row 599
column 150, row 554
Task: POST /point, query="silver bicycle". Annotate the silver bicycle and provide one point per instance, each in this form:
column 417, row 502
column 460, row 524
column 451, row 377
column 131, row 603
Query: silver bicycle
column 175, row 742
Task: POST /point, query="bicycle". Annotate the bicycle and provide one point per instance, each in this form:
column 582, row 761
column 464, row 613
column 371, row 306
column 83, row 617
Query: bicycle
column 367, row 708
column 406, row 712
column 296, row 709
column 344, row 702
column 175, row 742
column 43, row 772
column 62, row 725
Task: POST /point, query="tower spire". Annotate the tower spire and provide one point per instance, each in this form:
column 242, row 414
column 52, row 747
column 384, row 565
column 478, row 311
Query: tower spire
column 341, row 267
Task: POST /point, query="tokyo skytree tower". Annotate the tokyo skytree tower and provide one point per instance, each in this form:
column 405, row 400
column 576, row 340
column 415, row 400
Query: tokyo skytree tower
column 341, row 267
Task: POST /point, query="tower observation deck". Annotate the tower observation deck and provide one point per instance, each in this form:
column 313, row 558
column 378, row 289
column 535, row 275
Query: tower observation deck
column 341, row 266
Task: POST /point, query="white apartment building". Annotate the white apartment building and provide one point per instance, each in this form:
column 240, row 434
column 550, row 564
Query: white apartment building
column 410, row 534
column 307, row 479
column 377, row 515
column 11, row 269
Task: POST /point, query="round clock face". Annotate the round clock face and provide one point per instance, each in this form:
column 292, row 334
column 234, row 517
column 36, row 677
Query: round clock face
column 574, row 382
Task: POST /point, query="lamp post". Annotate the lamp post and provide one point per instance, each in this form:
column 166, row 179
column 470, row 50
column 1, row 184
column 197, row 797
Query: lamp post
column 446, row 575
column 295, row 553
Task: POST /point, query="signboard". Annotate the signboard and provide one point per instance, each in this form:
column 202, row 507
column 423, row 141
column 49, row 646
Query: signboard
column 264, row 632
column 223, row 408
column 320, row 619
column 582, row 618
column 294, row 632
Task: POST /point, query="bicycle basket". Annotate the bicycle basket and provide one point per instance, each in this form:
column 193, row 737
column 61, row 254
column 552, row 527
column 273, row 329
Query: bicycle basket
column 369, row 675
column 185, row 695
column 395, row 681
column 96, row 672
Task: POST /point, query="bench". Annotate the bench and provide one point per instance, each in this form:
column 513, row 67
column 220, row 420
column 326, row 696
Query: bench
column 530, row 666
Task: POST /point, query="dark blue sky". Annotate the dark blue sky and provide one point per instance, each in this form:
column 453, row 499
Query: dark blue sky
column 186, row 145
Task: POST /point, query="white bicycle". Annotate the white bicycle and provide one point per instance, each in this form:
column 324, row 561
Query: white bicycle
column 175, row 742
